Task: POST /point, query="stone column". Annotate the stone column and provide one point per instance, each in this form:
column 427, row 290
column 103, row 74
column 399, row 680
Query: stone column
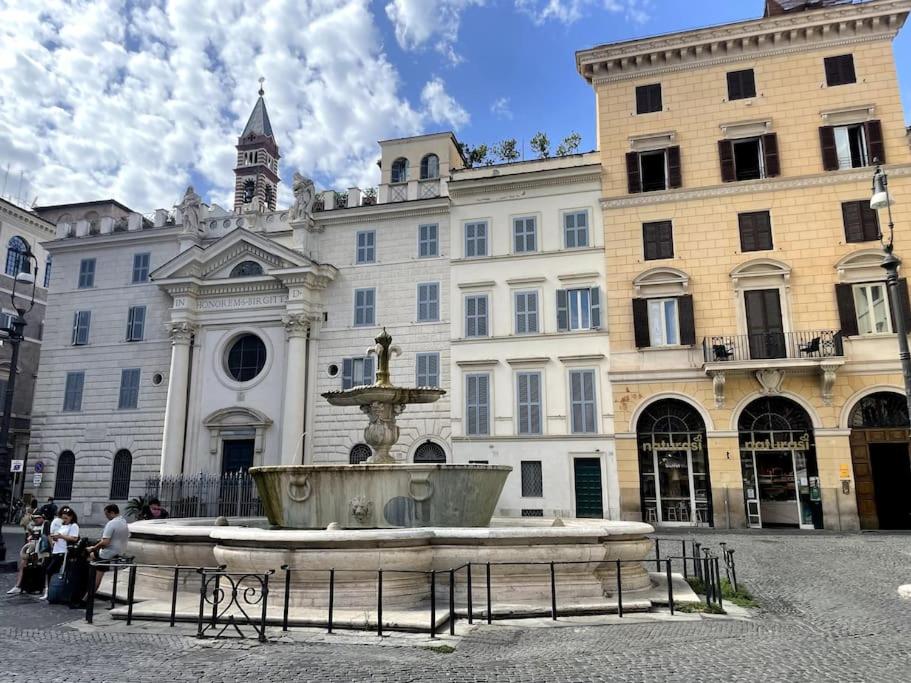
column 296, row 327
column 175, row 414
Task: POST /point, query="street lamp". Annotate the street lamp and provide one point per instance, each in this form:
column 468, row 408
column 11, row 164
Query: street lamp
column 881, row 199
column 24, row 280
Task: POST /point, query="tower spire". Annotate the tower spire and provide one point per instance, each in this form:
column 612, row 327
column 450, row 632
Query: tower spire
column 262, row 79
column 256, row 171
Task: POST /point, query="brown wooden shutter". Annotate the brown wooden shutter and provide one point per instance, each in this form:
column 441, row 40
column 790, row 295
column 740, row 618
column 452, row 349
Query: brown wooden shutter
column 770, row 151
column 904, row 304
column 851, row 213
column 829, row 151
column 869, row 219
column 726, row 157
column 876, row 149
column 640, row 323
column 844, row 295
column 633, row 177
column 674, row 177
column 686, row 319
column 666, row 239
column 747, row 231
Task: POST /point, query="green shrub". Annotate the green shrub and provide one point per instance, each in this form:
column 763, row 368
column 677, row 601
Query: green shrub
column 740, row 597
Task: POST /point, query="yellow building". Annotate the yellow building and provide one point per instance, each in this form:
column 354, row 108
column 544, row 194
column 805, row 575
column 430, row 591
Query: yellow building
column 754, row 369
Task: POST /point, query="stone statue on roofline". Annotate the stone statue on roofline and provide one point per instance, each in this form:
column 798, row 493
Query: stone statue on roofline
column 190, row 207
column 304, row 192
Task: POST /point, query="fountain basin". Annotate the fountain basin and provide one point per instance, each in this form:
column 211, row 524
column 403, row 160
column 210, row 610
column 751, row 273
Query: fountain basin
column 375, row 393
column 380, row 496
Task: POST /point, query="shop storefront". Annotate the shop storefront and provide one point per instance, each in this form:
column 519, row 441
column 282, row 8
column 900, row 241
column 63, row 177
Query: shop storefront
column 673, row 465
column 778, row 457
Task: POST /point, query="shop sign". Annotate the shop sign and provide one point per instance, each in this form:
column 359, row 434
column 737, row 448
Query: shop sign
column 695, row 444
column 801, row 444
column 844, row 472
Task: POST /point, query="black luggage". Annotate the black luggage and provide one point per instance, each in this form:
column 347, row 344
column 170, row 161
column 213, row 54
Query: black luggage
column 33, row 577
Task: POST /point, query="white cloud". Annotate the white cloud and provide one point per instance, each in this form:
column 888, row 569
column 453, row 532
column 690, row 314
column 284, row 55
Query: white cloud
column 441, row 107
column 421, row 22
column 570, row 11
column 500, row 108
column 136, row 100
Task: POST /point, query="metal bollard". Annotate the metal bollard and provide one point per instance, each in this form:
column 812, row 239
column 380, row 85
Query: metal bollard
column 553, row 593
column 683, row 551
column 114, row 588
column 433, row 603
column 670, row 588
column 619, row 592
column 174, row 596
column 202, row 602
column 718, row 584
column 489, row 613
column 657, row 554
column 265, row 596
column 379, row 602
column 131, row 589
column 470, row 597
column 287, row 597
column 331, row 598
column 90, row 603
column 452, row 602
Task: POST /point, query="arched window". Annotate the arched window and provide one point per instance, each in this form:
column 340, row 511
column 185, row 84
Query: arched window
column 773, row 416
column 249, row 191
column 16, row 259
column 94, row 222
column 882, row 409
column 120, row 475
column 359, row 453
column 430, row 452
column 399, row 170
column 47, row 271
column 63, row 484
column 430, row 167
column 246, row 269
column 267, row 195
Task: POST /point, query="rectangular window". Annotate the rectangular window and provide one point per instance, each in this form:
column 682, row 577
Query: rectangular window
column 129, row 389
column 861, row 222
column 755, row 231
column 658, row 240
column 575, row 229
column 476, row 239
column 578, row 309
column 477, row 404
column 526, row 312
column 6, row 323
column 366, row 246
column 141, row 267
column 582, row 401
column 427, row 369
column 82, row 321
column 872, row 305
column 428, row 302
column 528, row 402
column 653, row 170
column 851, row 146
column 357, row 372
column 532, row 481
column 524, row 235
column 741, row 84
column 476, row 315
column 72, row 392
column 47, row 271
column 428, row 241
column 648, row 98
column 364, row 307
column 840, row 70
column 86, row 273
column 136, row 323
column 663, row 323
column 748, row 159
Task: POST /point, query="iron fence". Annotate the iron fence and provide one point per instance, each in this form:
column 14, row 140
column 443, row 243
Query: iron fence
column 207, row 495
column 804, row 344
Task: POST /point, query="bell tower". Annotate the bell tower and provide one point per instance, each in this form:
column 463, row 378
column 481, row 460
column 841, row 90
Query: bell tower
column 256, row 171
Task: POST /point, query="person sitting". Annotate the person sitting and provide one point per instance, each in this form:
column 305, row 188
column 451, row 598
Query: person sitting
column 66, row 532
column 27, row 518
column 154, row 510
column 29, row 552
column 113, row 543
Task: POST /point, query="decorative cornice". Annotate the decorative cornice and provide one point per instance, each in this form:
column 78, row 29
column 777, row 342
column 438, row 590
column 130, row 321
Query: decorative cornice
column 467, row 188
column 746, row 40
column 750, row 187
column 26, row 217
column 438, row 206
column 114, row 239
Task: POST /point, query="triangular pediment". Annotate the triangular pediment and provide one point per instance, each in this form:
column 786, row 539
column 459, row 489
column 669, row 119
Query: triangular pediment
column 216, row 260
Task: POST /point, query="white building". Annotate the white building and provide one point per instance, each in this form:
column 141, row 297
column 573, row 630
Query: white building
column 200, row 339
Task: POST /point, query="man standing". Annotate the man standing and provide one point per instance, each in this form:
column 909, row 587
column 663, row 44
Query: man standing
column 49, row 509
column 114, row 539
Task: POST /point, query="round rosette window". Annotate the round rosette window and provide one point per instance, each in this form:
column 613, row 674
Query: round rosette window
column 246, row 358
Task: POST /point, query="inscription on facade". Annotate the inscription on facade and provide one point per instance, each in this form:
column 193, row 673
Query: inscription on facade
column 235, row 302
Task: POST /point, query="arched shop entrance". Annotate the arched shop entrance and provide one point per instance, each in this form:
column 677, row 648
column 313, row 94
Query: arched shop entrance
column 882, row 467
column 673, row 465
column 778, row 457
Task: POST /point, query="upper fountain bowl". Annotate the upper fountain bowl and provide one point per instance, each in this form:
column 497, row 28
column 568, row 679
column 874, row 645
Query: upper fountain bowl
column 375, row 393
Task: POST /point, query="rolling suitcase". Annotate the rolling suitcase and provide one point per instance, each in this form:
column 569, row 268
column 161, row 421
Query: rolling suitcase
column 33, row 578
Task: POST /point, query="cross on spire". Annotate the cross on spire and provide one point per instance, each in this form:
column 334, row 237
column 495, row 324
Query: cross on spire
column 262, row 80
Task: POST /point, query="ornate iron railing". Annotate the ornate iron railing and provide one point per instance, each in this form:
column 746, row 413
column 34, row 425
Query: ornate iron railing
column 207, row 495
column 806, row 344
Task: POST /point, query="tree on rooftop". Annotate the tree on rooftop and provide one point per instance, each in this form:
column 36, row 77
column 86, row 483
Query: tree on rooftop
column 569, row 145
column 540, row 145
column 507, row 150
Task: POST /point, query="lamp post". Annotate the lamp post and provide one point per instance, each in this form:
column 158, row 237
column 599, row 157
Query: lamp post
column 881, row 199
column 14, row 335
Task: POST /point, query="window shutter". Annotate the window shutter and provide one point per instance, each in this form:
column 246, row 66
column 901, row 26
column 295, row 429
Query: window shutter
column 562, row 311
column 903, row 304
column 747, row 231
column 770, row 151
column 851, row 213
column 347, row 373
column 686, row 319
column 483, row 405
column 829, row 151
column 666, row 239
column 75, row 328
column 876, row 149
column 596, row 307
column 726, row 158
column 869, row 220
column 833, row 73
column 640, row 323
column 844, row 295
column 633, row 177
column 674, row 178
column 482, row 316
column 531, row 317
column 649, row 241
column 369, row 376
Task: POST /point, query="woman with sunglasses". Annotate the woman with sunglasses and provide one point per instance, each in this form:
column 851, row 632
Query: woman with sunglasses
column 67, row 532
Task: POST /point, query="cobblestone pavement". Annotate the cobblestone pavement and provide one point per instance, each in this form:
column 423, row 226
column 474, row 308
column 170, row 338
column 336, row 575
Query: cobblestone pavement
column 830, row 611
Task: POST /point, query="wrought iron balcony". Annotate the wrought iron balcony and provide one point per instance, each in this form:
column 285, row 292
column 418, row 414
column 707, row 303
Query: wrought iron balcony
column 803, row 345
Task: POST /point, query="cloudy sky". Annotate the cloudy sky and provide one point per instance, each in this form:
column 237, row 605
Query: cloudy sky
column 136, row 99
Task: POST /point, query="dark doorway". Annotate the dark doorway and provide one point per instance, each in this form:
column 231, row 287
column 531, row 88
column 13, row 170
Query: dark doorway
column 764, row 323
column 777, row 490
column 237, row 456
column 589, row 502
column 892, row 483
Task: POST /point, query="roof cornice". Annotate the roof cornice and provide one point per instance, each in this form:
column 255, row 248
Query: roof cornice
column 590, row 173
column 388, row 211
column 114, row 239
column 26, row 217
column 795, row 32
